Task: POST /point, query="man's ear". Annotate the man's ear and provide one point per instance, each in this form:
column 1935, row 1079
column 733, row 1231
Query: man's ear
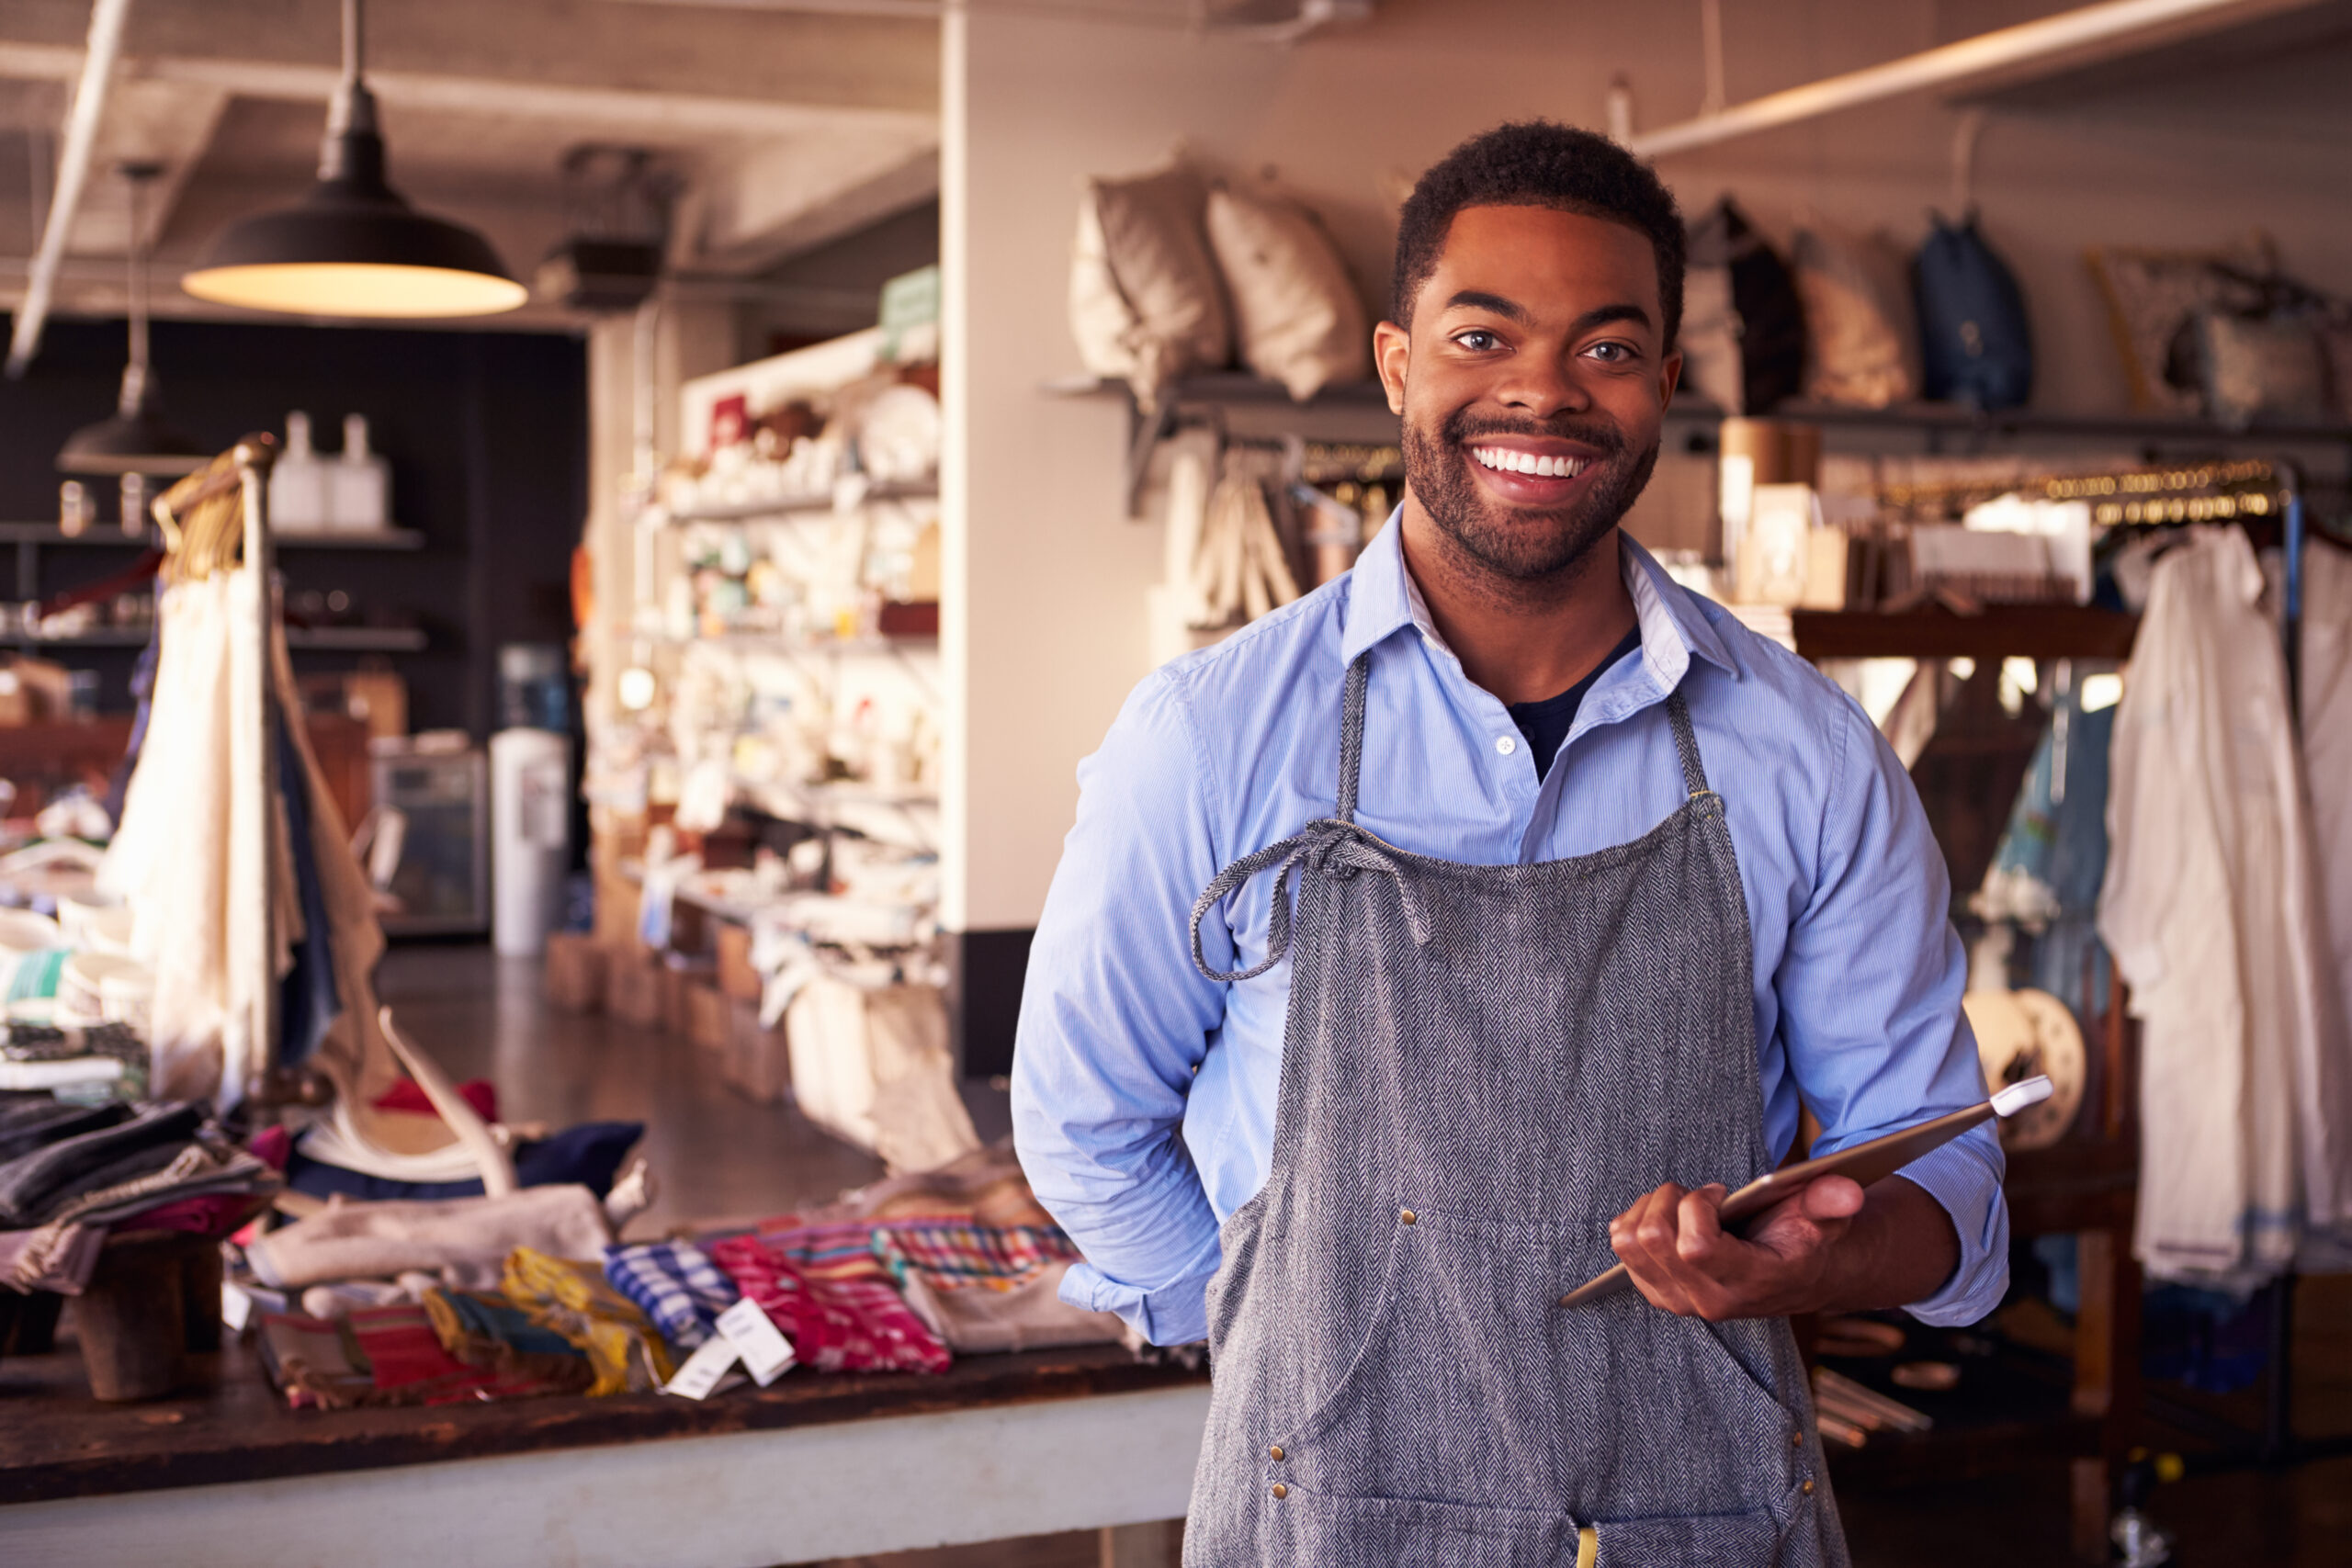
column 1392, row 352
column 1670, row 377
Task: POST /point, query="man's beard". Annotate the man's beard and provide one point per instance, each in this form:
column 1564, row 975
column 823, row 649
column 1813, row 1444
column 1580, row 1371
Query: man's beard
column 1523, row 544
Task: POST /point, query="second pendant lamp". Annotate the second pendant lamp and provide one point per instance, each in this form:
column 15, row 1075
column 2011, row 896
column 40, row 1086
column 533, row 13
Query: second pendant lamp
column 354, row 246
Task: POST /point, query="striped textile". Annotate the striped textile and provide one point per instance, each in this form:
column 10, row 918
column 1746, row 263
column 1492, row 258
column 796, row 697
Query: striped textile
column 830, row 1296
column 948, row 1255
column 675, row 1284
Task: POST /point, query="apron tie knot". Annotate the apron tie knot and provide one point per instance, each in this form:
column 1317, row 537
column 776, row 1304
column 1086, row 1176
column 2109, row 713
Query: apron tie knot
column 1329, row 845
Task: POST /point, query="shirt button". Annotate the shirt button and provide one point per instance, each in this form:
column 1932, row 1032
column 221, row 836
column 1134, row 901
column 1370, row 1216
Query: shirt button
column 1281, row 1490
column 1506, row 744
column 1277, row 1451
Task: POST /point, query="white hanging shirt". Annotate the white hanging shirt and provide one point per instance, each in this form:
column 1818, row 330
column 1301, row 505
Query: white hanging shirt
column 2210, row 908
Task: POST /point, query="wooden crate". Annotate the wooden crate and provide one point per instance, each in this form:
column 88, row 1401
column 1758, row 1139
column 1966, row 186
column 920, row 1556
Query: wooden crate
column 736, row 978
column 708, row 1023
column 574, row 975
column 757, row 1065
column 633, row 986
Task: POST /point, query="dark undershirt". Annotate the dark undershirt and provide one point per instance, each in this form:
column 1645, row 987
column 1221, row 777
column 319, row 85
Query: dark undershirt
column 1546, row 722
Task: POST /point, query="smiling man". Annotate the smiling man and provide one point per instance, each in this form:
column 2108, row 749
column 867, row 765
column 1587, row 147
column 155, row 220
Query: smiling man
column 1466, row 926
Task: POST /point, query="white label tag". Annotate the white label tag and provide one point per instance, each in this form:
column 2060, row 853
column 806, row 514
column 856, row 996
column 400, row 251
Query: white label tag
column 236, row 1307
column 703, row 1369
column 765, row 1352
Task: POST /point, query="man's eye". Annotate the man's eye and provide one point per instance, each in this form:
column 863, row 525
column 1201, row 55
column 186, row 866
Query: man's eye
column 1477, row 341
column 1611, row 352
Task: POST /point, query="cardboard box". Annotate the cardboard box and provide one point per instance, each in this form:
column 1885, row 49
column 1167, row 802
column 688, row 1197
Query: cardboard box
column 617, row 901
column 633, row 985
column 736, row 978
column 680, row 977
column 574, row 975
column 758, row 1061
column 708, row 1024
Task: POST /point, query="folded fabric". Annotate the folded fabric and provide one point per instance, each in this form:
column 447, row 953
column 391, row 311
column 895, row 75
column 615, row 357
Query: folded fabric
column 574, row 1299
column 465, row 1241
column 405, row 1361
column 483, row 1329
column 824, row 1290
column 49, row 1257
column 30, row 1121
column 984, row 1289
column 32, row 1184
column 947, row 1255
column 60, row 1261
column 313, row 1363
column 1030, row 1316
column 212, row 1213
column 589, row 1155
column 676, row 1285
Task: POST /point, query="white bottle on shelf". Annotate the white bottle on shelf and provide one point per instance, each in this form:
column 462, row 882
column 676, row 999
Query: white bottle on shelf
column 359, row 483
column 297, row 481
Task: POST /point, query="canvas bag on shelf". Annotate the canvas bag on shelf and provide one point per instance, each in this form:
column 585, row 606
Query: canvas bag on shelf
column 1146, row 303
column 1297, row 316
column 1859, row 317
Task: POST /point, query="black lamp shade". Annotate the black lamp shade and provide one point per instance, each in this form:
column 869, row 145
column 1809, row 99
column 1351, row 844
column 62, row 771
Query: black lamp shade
column 135, row 443
column 354, row 247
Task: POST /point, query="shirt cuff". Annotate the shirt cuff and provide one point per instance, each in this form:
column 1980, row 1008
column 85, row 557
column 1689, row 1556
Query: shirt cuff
column 1960, row 1178
column 1172, row 1314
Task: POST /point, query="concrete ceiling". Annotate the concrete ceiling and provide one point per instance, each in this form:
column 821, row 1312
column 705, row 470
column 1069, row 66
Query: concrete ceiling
column 787, row 128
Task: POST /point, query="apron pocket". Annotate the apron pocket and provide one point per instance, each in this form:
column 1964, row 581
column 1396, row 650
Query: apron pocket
column 1470, row 1386
column 1379, row 1532
column 1719, row 1541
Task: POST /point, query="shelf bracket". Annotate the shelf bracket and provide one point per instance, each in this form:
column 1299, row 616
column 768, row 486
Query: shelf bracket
column 1144, row 433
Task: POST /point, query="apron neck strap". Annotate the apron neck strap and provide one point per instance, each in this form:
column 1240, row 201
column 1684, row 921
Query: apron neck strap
column 1686, row 744
column 1352, row 735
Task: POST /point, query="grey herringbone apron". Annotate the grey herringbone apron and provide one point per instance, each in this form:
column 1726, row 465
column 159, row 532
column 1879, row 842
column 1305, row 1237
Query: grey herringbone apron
column 1481, row 1067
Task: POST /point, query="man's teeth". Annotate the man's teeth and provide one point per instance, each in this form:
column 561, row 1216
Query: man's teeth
column 1507, row 460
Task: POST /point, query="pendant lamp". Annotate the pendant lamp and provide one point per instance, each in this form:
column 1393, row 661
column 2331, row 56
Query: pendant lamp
column 135, row 440
column 354, row 247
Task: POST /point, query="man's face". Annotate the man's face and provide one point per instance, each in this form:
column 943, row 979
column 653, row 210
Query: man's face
column 1533, row 385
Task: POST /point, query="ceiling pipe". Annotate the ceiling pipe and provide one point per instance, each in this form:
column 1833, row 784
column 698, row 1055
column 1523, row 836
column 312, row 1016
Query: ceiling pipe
column 2086, row 26
column 106, row 18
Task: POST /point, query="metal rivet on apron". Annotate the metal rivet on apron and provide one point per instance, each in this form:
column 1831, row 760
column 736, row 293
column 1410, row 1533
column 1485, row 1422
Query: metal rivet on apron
column 1407, row 1215
column 1796, row 1439
column 1282, row 1490
column 1277, row 1451
column 1806, row 1489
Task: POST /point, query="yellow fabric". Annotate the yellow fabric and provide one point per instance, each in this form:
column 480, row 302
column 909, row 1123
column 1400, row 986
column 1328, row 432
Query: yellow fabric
column 574, row 1299
column 1587, row 1546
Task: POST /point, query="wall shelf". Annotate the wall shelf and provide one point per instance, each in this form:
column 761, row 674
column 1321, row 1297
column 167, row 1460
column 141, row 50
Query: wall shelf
column 323, row 639
column 107, row 536
column 1199, row 398
column 2000, row 631
column 800, row 506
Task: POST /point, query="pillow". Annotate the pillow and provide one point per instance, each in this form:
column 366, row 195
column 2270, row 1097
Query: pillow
column 1296, row 314
column 1146, row 304
column 1857, row 317
column 1708, row 338
column 2261, row 366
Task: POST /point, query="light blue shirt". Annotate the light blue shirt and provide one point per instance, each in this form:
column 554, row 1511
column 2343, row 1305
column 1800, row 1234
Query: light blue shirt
column 1143, row 1094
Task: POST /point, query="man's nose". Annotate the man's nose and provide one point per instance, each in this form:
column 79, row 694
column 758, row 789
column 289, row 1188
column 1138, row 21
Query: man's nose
column 1544, row 385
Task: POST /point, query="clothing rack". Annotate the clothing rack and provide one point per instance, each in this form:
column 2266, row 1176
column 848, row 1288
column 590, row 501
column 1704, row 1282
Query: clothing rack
column 210, row 521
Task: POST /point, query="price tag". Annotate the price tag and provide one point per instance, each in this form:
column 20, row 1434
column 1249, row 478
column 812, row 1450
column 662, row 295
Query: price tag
column 765, row 1352
column 704, row 1369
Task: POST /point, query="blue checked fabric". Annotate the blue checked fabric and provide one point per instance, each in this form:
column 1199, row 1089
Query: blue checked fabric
column 675, row 1284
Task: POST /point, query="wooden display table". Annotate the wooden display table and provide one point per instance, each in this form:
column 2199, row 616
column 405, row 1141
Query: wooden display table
column 812, row 1468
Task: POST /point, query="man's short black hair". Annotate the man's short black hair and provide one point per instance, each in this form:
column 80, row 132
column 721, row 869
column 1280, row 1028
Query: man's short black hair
column 1537, row 163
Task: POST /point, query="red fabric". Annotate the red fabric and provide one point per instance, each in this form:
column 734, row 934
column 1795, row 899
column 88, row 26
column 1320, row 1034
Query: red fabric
column 214, row 1213
column 406, row 1357
column 273, row 1147
column 837, row 1316
column 405, row 1095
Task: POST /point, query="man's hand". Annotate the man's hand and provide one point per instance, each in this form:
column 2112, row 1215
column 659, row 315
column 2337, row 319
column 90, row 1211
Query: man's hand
column 1830, row 1246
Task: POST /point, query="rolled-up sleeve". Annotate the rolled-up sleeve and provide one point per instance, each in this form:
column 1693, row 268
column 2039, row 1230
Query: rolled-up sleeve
column 1115, row 1019
column 1870, row 991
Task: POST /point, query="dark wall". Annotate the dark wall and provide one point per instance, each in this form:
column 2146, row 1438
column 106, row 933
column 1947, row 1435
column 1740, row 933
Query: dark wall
column 488, row 437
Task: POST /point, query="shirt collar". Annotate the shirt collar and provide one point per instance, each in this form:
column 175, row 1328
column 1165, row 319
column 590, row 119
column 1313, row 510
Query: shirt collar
column 1383, row 600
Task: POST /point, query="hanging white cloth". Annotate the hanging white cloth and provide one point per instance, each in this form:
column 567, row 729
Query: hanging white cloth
column 2212, row 910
